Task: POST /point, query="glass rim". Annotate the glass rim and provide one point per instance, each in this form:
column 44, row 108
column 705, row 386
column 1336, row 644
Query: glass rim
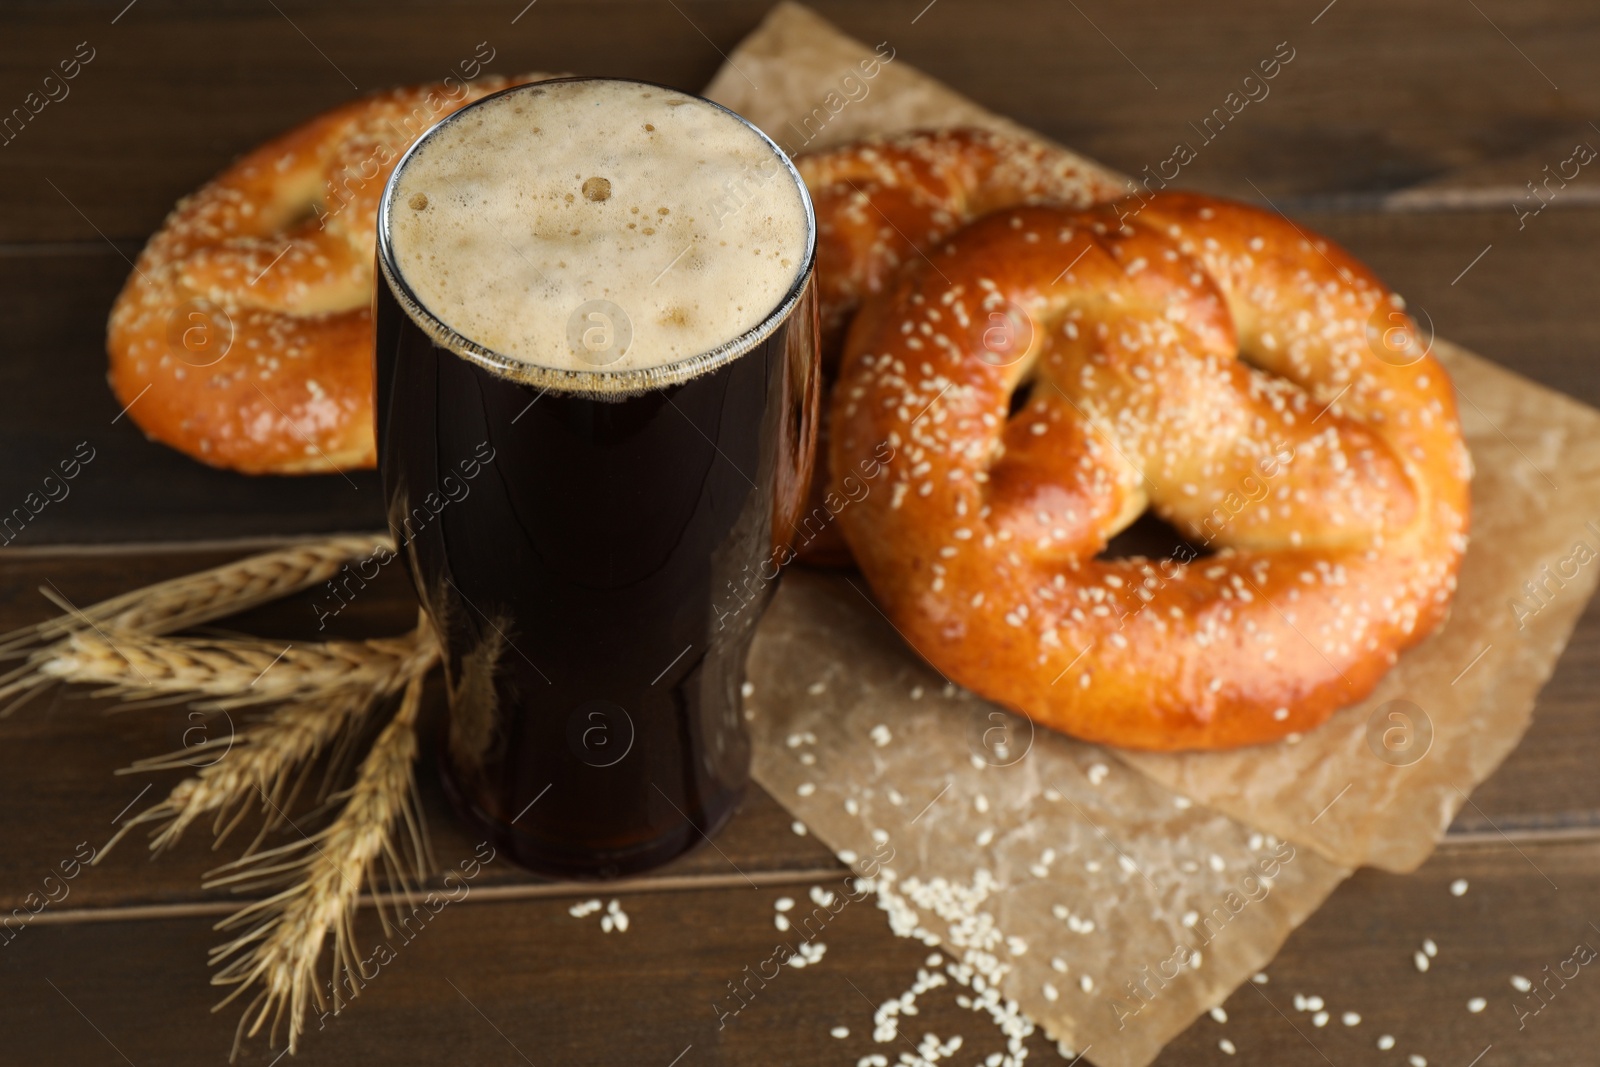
column 598, row 381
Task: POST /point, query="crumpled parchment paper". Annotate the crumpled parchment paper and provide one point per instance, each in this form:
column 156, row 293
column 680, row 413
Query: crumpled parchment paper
column 1079, row 863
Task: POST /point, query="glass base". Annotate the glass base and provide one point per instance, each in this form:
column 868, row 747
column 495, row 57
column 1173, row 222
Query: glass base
column 576, row 862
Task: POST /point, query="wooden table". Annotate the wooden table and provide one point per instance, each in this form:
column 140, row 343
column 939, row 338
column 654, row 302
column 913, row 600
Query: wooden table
column 1405, row 130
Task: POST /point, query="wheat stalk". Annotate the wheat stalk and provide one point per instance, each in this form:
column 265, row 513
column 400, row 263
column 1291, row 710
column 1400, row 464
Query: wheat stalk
column 328, row 706
column 189, row 600
column 232, row 671
column 261, row 761
column 323, row 692
column 169, row 606
column 323, row 874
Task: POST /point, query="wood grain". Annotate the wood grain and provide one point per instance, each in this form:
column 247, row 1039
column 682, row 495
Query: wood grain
column 512, row 983
column 1380, row 95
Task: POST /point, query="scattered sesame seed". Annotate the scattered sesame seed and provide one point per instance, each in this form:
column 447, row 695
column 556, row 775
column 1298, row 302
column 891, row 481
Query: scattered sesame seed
column 1458, row 888
column 1350, row 1018
column 1314, row 1004
column 1386, row 1042
column 1477, row 1004
column 1421, row 960
column 840, row 1032
column 783, row 903
column 1430, row 948
column 1259, row 978
column 798, row 827
column 1416, row 1061
column 1218, row 1014
column 1520, row 984
column 805, row 789
column 1320, row 1019
column 1227, row 1046
column 880, row 735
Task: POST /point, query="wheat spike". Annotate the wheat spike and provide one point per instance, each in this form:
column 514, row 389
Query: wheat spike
column 233, row 671
column 262, row 759
column 169, row 606
column 179, row 603
column 261, row 762
column 284, row 934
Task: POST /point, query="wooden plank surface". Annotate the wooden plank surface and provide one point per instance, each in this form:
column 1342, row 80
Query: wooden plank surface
column 490, row 982
column 1380, row 94
column 1404, row 130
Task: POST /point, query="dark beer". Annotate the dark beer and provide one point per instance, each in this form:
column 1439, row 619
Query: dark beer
column 583, row 506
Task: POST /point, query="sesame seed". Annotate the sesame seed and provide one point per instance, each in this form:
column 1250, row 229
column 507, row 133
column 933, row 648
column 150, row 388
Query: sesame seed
column 840, row 1032
column 1430, row 948
column 1227, row 1046
column 1350, row 1018
column 1416, row 1061
column 798, row 827
column 1259, row 978
column 1520, row 984
column 1386, row 1042
column 1477, row 1004
column 1218, row 1014
column 1458, row 888
column 1320, row 1019
column 1421, row 960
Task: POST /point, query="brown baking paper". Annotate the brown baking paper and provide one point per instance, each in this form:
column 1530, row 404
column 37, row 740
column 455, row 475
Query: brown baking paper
column 1087, row 869
column 1376, row 785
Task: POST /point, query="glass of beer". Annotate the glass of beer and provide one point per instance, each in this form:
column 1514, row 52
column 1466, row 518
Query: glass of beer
column 597, row 391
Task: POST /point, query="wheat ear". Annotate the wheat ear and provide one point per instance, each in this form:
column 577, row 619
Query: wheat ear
column 322, row 875
column 262, row 760
column 169, row 606
column 233, row 671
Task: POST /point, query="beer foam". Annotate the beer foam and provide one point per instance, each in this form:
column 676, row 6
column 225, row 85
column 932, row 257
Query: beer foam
column 593, row 225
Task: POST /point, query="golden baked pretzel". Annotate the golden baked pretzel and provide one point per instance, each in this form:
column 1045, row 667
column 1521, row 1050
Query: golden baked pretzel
column 244, row 335
column 883, row 201
column 1198, row 357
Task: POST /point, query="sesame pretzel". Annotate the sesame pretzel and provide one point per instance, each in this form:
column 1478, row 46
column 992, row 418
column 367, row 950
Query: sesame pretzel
column 883, row 201
column 244, row 335
column 1199, row 358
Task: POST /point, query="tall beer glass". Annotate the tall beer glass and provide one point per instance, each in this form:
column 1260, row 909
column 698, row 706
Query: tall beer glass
column 597, row 385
